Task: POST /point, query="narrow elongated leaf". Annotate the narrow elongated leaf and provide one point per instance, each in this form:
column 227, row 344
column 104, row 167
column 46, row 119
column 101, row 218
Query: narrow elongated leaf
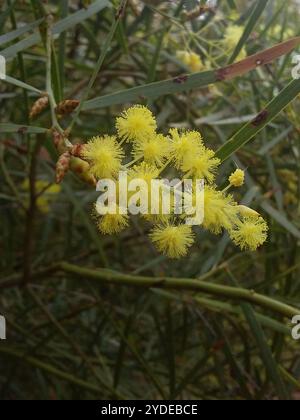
column 10, row 36
column 260, row 7
column 58, row 28
column 281, row 219
column 261, row 340
column 5, row 14
column 247, row 132
column 50, row 369
column 265, row 350
column 20, row 84
column 15, row 128
column 192, row 81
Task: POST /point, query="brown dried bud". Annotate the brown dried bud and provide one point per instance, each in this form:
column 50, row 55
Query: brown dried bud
column 198, row 11
column 59, row 142
column 77, row 150
column 67, row 106
column 39, row 106
column 62, row 166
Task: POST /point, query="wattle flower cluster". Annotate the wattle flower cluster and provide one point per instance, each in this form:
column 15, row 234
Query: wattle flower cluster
column 185, row 152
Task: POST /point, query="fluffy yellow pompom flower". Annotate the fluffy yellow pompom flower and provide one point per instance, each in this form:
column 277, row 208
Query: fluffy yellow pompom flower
column 46, row 194
column 184, row 146
column 195, row 63
column 191, row 60
column 147, row 173
column 104, row 155
column 143, row 171
column 136, row 124
column 277, row 31
column 250, row 233
column 237, row 178
column 110, row 224
column 154, row 150
column 242, row 55
column 204, row 165
column 220, row 211
column 173, row 241
column 232, row 35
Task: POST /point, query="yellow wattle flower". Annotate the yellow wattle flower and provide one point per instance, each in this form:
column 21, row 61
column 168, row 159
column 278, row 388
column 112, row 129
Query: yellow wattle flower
column 277, row 31
column 242, row 55
column 237, row 178
column 153, row 150
column 46, row 194
column 173, row 241
column 203, row 165
column 232, row 36
column 220, row 210
column 147, row 173
column 143, row 171
column 136, row 124
column 191, row 60
column 249, row 233
column 195, row 63
column 104, row 155
column 112, row 223
column 184, row 145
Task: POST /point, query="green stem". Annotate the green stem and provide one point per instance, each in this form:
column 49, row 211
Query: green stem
column 185, row 284
column 133, row 162
column 46, row 367
column 234, row 293
column 99, row 62
column 165, row 165
column 49, row 89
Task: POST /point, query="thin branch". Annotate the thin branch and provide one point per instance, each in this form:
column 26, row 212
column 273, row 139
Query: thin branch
column 184, row 284
column 100, row 61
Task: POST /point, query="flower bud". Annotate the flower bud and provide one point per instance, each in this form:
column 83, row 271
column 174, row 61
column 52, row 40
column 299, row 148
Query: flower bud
column 82, row 169
column 62, row 166
column 237, row 178
column 39, row 106
column 67, row 106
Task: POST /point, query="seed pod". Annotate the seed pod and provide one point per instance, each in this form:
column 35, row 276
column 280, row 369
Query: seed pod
column 62, row 166
column 66, row 107
column 82, row 169
column 39, row 106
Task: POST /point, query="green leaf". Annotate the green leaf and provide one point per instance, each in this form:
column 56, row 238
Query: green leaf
column 265, row 351
column 58, row 28
column 99, row 63
column 50, row 369
column 10, row 36
column 280, row 218
column 20, row 84
column 260, row 7
column 24, row 129
column 191, row 81
column 94, row 235
column 247, row 132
